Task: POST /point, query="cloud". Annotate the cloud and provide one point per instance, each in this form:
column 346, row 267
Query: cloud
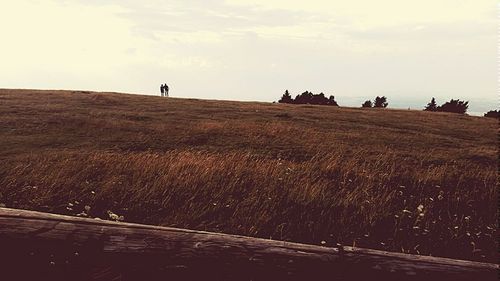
column 464, row 30
column 201, row 16
column 252, row 49
column 385, row 12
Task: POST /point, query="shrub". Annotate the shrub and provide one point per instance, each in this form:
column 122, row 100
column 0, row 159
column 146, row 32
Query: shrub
column 492, row 114
column 308, row 98
column 331, row 101
column 380, row 102
column 286, row 98
column 455, row 106
column 431, row 106
column 367, row 103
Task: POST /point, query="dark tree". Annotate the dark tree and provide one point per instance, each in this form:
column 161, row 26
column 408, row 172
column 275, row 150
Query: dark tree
column 318, row 99
column 304, row 98
column 367, row 103
column 286, row 98
column 380, row 102
column 331, row 101
column 492, row 114
column 308, row 98
column 432, row 106
column 455, row 106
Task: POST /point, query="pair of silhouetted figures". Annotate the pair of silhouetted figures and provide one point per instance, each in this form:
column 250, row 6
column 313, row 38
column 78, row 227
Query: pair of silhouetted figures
column 164, row 90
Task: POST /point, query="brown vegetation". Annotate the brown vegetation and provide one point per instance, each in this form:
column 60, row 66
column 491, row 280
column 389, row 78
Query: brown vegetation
column 398, row 180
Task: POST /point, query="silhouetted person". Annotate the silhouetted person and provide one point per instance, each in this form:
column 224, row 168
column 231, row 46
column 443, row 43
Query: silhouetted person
column 162, row 89
column 166, row 90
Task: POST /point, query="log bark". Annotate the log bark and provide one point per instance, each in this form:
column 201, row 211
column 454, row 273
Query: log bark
column 41, row 246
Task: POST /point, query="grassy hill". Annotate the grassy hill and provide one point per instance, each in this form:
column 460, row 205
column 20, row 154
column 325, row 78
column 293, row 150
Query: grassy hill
column 399, row 180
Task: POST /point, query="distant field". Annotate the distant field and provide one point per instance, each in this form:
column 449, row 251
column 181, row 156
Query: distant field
column 398, row 180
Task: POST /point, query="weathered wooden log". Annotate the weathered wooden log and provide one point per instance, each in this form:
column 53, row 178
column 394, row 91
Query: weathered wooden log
column 41, row 246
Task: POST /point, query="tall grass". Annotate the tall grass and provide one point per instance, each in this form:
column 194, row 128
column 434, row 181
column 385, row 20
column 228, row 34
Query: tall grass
column 410, row 182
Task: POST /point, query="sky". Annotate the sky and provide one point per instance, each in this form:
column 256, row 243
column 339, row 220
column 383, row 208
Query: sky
column 409, row 51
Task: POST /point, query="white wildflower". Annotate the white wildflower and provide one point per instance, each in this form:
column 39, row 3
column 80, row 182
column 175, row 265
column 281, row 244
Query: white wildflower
column 82, row 214
column 420, row 208
column 441, row 195
column 114, row 216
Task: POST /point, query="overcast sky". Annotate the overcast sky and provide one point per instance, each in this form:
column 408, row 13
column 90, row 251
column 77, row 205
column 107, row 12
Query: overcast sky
column 246, row 50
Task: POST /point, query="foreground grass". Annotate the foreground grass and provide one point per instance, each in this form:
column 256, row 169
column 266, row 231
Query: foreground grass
column 407, row 181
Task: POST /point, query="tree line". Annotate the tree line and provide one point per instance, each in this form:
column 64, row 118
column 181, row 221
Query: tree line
column 308, row 98
column 454, row 106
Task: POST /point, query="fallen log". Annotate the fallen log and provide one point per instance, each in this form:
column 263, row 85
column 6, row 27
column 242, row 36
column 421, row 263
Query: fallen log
column 42, row 246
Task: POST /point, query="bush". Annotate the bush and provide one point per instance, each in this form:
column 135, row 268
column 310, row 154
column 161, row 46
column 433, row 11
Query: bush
column 308, row 98
column 286, row 98
column 380, row 102
column 492, row 114
column 367, row 103
column 432, row 106
column 455, row 106
column 331, row 101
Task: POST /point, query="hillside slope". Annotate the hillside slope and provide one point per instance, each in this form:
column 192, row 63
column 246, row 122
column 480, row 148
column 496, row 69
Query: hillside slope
column 400, row 180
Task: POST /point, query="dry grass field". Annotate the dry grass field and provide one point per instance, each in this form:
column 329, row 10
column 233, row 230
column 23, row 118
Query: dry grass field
column 399, row 180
